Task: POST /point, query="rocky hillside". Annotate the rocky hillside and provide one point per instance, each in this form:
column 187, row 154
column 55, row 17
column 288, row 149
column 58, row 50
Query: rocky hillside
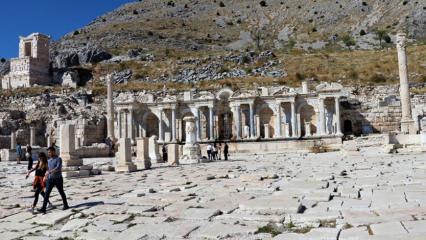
column 191, row 40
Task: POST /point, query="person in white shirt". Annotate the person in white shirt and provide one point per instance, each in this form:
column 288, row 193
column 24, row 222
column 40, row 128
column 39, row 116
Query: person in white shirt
column 209, row 151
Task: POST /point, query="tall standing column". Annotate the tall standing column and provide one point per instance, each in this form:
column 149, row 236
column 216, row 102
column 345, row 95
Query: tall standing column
column 130, row 125
column 211, row 123
column 173, row 125
column 338, row 123
column 160, row 127
column 407, row 123
column 126, row 122
column 32, row 136
column 321, row 117
column 293, row 120
column 198, row 124
column 277, row 120
column 252, row 132
column 110, row 109
column 119, row 125
column 238, row 120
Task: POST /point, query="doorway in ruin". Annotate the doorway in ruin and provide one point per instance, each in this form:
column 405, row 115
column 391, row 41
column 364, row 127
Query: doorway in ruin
column 347, row 127
column 308, row 115
column 27, row 49
column 266, row 119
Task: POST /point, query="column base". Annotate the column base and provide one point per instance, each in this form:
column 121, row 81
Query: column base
column 143, row 164
column 408, row 127
column 128, row 167
column 190, row 154
column 70, row 160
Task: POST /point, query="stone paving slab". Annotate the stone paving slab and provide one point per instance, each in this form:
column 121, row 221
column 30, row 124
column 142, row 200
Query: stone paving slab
column 372, row 193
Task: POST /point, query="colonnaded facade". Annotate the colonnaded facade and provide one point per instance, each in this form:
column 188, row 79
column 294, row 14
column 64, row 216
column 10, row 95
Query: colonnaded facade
column 264, row 114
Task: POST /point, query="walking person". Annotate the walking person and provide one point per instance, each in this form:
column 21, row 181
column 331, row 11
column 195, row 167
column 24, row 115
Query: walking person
column 214, row 150
column 209, row 151
column 19, row 153
column 39, row 182
column 225, row 151
column 54, row 179
column 29, row 157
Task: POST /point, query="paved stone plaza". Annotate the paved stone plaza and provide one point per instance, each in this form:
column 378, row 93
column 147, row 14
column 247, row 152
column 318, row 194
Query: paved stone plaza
column 370, row 195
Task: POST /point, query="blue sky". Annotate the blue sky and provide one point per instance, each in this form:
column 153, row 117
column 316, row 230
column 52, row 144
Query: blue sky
column 51, row 17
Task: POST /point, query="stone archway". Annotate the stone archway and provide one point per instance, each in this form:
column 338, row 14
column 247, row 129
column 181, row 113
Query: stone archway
column 266, row 117
column 150, row 123
column 308, row 114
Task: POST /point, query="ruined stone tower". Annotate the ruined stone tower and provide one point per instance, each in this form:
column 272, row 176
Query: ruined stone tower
column 32, row 65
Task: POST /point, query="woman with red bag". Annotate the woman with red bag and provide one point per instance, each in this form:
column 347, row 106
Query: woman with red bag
column 39, row 181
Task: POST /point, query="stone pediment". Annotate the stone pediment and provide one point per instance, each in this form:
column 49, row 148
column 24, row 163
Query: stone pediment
column 145, row 98
column 329, row 87
column 125, row 98
column 245, row 94
column 204, row 95
column 283, row 91
column 167, row 99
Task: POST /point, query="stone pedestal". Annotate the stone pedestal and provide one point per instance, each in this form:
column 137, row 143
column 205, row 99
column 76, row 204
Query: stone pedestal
column 308, row 132
column 266, row 130
column 167, row 137
column 32, row 136
column 246, row 132
column 154, row 151
column 423, row 138
column 67, row 146
column 8, row 155
column 191, row 152
column 408, row 126
column 142, row 154
column 12, row 140
column 286, row 130
column 124, row 159
column 173, row 154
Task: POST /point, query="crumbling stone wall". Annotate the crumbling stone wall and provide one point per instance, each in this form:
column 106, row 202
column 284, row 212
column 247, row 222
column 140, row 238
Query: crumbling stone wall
column 377, row 110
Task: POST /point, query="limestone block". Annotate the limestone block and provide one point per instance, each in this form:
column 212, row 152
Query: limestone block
column 8, row 155
column 173, row 154
column 67, row 146
column 154, row 151
column 246, row 131
column 167, row 136
column 124, row 160
column 266, row 131
column 142, row 154
column 423, row 138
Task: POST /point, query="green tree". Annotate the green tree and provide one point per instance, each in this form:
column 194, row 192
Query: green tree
column 349, row 41
column 381, row 34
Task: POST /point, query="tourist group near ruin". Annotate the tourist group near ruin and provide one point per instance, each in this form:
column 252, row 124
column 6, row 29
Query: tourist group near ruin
column 259, row 162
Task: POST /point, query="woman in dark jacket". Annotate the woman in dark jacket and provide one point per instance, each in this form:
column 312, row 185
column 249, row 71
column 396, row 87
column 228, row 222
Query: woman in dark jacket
column 29, row 157
column 39, row 181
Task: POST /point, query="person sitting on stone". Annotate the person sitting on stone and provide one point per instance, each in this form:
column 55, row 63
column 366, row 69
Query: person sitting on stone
column 54, row 179
column 39, row 182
